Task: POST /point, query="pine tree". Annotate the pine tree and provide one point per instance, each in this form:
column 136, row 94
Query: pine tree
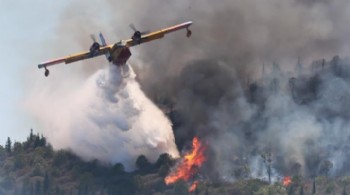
column 42, row 140
column 8, row 145
column 37, row 141
column 267, row 158
column 31, row 135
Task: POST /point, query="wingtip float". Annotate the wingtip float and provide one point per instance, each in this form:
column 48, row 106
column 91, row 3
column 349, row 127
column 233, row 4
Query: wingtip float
column 117, row 53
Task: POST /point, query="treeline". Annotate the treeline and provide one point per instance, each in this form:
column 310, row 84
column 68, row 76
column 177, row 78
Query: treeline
column 33, row 167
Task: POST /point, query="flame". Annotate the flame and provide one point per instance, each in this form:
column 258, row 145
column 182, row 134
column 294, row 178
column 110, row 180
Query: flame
column 189, row 165
column 287, row 181
column 193, row 186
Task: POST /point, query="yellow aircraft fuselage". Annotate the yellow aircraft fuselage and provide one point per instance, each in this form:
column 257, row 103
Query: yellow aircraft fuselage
column 118, row 53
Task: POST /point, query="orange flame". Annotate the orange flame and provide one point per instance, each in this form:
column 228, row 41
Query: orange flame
column 189, row 165
column 287, row 181
column 193, row 186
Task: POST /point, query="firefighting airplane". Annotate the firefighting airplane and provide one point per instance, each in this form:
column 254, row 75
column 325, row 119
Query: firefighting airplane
column 117, row 53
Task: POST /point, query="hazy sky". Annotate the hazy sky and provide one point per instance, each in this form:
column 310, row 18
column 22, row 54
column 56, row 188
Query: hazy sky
column 38, row 30
column 26, row 27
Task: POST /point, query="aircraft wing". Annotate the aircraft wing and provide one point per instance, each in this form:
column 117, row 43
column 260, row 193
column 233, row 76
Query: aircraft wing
column 158, row 34
column 76, row 57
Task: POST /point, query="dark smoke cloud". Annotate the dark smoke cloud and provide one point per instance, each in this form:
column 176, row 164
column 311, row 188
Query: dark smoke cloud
column 230, row 82
column 246, row 32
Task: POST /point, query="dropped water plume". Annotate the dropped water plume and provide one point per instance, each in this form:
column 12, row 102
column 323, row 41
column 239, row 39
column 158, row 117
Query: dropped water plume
column 108, row 118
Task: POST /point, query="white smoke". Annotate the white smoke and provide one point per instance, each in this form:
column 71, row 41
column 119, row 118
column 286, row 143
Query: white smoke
column 108, row 118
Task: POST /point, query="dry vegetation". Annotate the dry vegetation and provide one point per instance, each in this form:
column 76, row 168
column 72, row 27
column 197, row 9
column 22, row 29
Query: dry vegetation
column 33, row 167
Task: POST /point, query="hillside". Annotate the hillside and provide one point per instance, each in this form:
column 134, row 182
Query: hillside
column 33, row 167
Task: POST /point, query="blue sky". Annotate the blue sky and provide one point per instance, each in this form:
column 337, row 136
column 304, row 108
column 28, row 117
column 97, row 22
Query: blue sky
column 26, row 26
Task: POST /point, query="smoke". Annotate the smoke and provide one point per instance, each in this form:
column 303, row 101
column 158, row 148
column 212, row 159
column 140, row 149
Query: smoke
column 231, row 82
column 107, row 118
column 234, row 82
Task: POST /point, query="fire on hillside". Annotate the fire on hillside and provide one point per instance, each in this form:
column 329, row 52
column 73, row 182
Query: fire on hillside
column 188, row 166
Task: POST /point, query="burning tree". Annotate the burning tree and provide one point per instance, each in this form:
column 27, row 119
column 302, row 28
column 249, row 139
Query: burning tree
column 286, row 181
column 267, row 158
column 188, row 166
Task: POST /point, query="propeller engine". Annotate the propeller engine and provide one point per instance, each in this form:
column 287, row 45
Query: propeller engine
column 95, row 46
column 137, row 34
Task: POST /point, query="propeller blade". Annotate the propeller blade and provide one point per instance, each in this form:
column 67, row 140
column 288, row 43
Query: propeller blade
column 132, row 26
column 93, row 38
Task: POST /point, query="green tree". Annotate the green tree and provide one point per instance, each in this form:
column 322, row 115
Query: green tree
column 118, row 168
column 42, row 141
column 164, row 159
column 267, row 158
column 49, row 153
column 17, row 148
column 8, row 145
column 19, row 161
column 142, row 163
column 2, row 154
column 37, row 141
column 31, row 136
column 325, row 167
column 60, row 158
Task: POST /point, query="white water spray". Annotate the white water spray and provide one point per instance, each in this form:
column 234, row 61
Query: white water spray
column 109, row 119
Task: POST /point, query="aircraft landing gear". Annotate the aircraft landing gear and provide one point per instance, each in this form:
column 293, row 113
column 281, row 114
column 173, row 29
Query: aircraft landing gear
column 47, row 72
column 189, row 32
